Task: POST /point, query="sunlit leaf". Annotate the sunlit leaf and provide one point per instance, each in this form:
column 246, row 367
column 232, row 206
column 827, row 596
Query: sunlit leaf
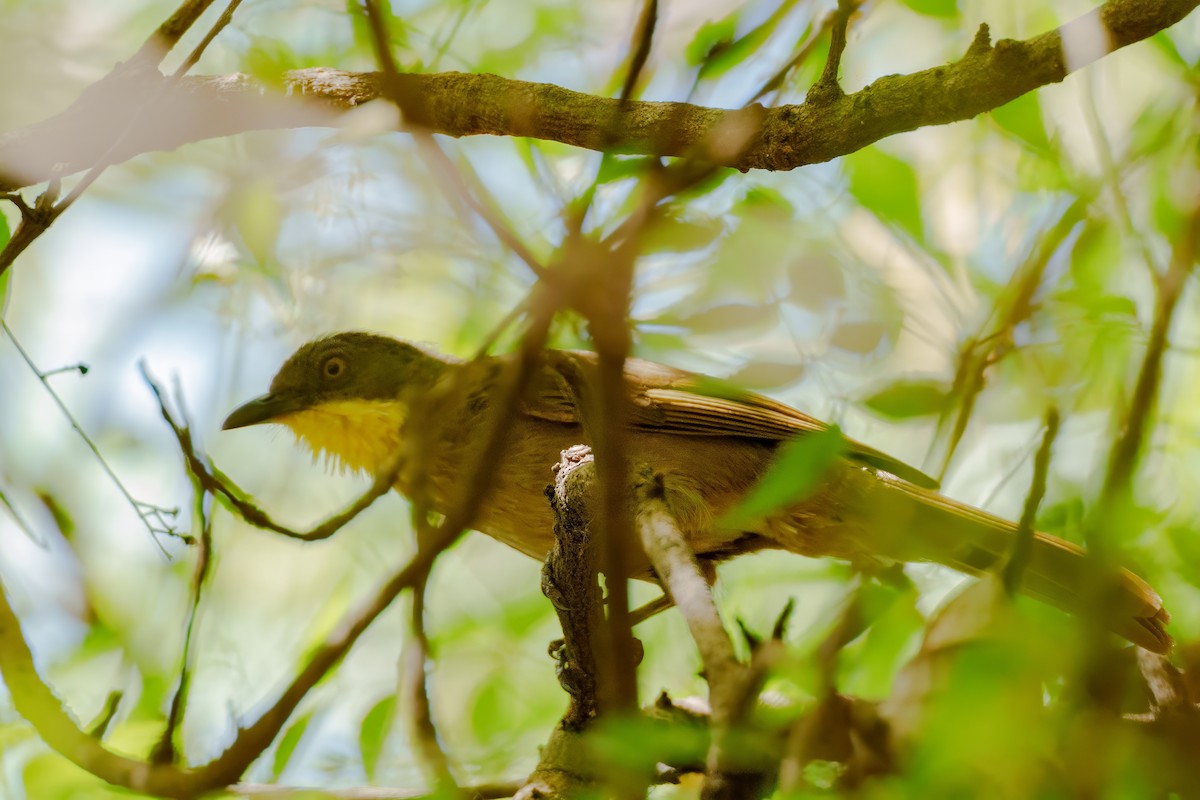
column 909, row 398
column 677, row 235
column 859, row 337
column 372, row 734
column 768, row 374
column 793, row 476
column 712, row 38
column 735, row 316
column 1023, row 119
column 287, row 743
column 816, row 280
column 887, row 186
column 638, row 744
column 947, row 9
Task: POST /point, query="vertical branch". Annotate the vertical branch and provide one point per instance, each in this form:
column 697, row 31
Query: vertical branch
column 639, row 51
column 1127, row 448
column 827, row 88
column 1023, row 547
column 415, row 689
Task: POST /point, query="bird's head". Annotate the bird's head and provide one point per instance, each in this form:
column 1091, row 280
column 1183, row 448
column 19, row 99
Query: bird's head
column 344, row 397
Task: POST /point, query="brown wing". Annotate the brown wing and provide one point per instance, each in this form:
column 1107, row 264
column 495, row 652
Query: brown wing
column 675, row 401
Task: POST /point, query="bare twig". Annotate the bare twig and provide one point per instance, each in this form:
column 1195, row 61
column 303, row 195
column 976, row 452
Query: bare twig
column 639, row 51
column 167, row 35
column 994, row 341
column 681, row 575
column 217, row 483
column 416, row 691
column 1127, row 447
column 164, row 752
column 34, row 225
column 157, row 519
column 1023, row 546
column 827, row 89
column 461, row 179
column 802, row 53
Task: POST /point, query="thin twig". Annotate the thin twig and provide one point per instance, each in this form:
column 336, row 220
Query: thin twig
column 639, row 50
column 168, row 34
column 213, row 480
column 1127, row 447
column 164, row 752
column 145, row 511
column 462, row 180
column 416, row 690
column 35, row 224
column 1023, row 546
column 802, row 53
column 827, row 88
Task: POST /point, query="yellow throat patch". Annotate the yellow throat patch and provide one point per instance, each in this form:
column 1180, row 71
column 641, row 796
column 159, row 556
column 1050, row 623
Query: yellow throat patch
column 357, row 435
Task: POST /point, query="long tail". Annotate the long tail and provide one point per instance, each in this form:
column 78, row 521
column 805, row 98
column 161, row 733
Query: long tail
column 928, row 526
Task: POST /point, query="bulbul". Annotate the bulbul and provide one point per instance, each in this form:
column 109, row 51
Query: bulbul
column 360, row 399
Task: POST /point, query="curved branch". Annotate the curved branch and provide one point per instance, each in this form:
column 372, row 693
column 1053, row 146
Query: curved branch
column 459, row 104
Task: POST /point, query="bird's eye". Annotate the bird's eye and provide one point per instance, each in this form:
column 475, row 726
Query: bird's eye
column 334, row 367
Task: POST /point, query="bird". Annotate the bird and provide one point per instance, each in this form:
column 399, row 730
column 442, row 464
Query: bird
column 360, row 400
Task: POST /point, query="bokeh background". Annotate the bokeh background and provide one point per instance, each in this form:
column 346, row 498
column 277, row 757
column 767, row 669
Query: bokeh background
column 849, row 289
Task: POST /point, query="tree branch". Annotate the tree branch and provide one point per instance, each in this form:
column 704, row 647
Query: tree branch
column 458, row 104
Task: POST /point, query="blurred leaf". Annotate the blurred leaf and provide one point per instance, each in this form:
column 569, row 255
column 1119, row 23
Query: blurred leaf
column 886, row 186
column 817, row 280
column 719, row 319
column 49, row 776
column 768, row 374
column 713, row 38
column 268, row 58
column 287, row 744
column 870, row 664
column 794, row 474
column 1096, row 255
column 1023, row 119
column 677, row 235
column 255, row 210
column 947, row 9
column 616, row 168
column 907, row 398
column 859, row 337
column 373, row 733
column 637, row 744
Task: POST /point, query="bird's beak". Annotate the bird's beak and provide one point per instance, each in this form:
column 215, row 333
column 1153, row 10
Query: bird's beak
column 267, row 408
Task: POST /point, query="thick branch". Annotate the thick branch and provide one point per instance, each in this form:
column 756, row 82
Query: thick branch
column 458, row 104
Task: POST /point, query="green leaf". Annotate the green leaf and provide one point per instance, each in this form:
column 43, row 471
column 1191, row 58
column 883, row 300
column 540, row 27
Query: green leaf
column 886, row 186
column 729, row 317
column 947, row 9
column 373, row 733
column 795, row 473
column 617, row 168
column 859, row 337
column 768, row 374
column 1023, row 119
column 634, row 745
column 907, row 398
column 713, row 37
column 287, row 744
column 677, row 235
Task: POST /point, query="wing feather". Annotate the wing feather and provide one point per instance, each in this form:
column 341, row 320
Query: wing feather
column 671, row 400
